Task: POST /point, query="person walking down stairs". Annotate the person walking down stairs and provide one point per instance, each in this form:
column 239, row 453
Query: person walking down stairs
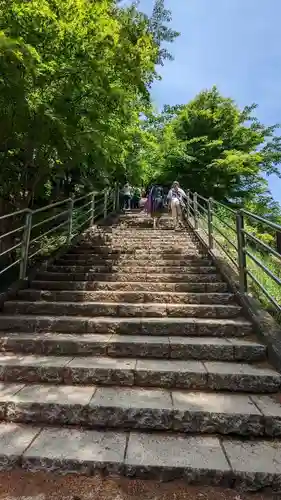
column 155, row 205
column 176, row 197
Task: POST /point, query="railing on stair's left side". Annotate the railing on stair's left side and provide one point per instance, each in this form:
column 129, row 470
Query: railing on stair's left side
column 232, row 232
column 37, row 233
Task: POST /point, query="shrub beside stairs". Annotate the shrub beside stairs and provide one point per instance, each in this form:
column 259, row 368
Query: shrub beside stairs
column 130, row 355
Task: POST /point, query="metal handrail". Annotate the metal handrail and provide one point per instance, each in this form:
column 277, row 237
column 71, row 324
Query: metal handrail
column 236, row 251
column 224, row 206
column 273, row 225
column 226, row 237
column 226, row 223
column 263, row 267
column 49, row 219
column 15, row 214
column 52, row 205
column 5, row 235
column 28, row 247
column 262, row 244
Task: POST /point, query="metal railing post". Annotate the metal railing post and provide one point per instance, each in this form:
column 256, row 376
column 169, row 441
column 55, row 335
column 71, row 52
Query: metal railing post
column 117, row 198
column 188, row 203
column 241, row 244
column 114, row 197
column 105, row 204
column 92, row 219
column 70, row 221
column 25, row 245
column 195, row 209
column 210, row 223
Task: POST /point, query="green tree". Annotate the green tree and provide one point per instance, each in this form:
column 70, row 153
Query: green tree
column 74, row 81
column 213, row 147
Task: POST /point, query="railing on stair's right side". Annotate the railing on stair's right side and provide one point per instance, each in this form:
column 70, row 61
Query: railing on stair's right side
column 235, row 234
column 37, row 233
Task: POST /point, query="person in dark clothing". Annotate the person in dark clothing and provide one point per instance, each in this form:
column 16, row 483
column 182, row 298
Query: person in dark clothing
column 136, row 198
column 155, row 206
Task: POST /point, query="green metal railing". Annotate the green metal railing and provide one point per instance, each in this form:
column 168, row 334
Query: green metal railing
column 37, row 233
column 232, row 233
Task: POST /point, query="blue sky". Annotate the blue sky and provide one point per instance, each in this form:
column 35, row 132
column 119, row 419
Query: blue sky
column 234, row 44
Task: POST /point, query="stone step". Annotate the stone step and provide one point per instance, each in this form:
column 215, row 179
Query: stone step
column 142, row 346
column 177, row 374
column 150, row 235
column 151, row 232
column 165, row 236
column 140, row 255
column 127, row 268
column 236, row 327
column 241, row 464
column 141, row 409
column 129, row 297
column 159, row 249
column 137, row 248
column 130, row 286
column 119, row 276
column 122, row 309
column 149, row 242
column 69, row 260
column 144, row 242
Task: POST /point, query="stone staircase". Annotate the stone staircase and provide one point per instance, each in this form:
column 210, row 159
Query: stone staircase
column 130, row 355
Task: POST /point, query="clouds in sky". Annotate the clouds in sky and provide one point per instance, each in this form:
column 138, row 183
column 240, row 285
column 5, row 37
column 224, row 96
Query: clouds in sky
column 234, row 44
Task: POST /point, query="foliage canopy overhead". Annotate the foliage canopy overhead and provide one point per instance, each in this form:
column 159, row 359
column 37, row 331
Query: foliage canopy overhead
column 75, row 77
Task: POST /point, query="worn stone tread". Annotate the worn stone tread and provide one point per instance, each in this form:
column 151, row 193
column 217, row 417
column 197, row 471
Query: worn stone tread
column 202, row 348
column 142, row 254
column 80, row 259
column 127, row 296
column 129, row 286
column 135, row 267
column 128, row 269
column 139, row 408
column 134, row 277
column 138, row 247
column 238, row 327
column 171, row 373
column 251, row 465
column 122, row 309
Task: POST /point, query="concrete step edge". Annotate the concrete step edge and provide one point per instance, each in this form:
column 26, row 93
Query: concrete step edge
column 128, row 296
column 142, row 346
column 177, row 374
column 127, row 286
column 143, row 409
column 127, row 325
column 123, row 309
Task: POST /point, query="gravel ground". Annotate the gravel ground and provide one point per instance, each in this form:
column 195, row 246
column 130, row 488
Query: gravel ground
column 18, row 485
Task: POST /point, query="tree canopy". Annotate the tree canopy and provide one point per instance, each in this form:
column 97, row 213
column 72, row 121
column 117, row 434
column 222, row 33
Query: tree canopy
column 211, row 146
column 75, row 78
